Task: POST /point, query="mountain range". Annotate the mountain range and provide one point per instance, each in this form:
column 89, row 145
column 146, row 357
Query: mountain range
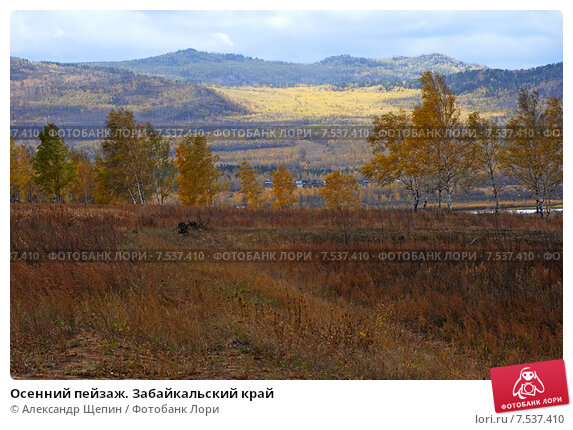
column 190, row 65
column 188, row 85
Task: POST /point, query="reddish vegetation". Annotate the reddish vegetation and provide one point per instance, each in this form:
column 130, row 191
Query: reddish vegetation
column 420, row 320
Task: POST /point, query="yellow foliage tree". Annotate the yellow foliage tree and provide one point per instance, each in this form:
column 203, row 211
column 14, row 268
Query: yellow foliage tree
column 533, row 152
column 198, row 175
column 448, row 159
column 397, row 158
column 283, row 188
column 22, row 186
column 83, row 190
column 103, row 193
column 424, row 150
column 340, row 191
column 251, row 189
column 486, row 138
column 125, row 157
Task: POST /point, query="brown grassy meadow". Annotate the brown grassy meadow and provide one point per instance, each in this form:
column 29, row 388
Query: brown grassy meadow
column 280, row 320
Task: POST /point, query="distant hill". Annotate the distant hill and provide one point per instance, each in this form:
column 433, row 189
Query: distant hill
column 497, row 89
column 83, row 94
column 491, row 90
column 190, row 65
column 71, row 94
column 547, row 80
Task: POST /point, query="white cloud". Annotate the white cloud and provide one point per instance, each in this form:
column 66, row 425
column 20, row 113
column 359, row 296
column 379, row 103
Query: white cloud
column 59, row 32
column 223, row 39
column 494, row 38
column 279, row 21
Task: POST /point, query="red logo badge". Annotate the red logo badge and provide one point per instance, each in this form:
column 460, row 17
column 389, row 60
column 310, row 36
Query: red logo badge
column 528, row 386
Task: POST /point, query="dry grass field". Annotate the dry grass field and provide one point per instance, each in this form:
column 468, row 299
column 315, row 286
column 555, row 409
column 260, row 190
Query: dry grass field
column 284, row 319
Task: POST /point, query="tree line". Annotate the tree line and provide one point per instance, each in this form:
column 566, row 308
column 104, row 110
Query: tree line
column 433, row 151
column 430, row 152
column 134, row 165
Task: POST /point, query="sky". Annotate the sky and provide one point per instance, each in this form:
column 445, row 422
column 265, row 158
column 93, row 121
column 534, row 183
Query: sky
column 500, row 39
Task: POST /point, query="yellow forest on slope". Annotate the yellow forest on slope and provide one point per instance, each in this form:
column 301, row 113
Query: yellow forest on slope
column 331, row 104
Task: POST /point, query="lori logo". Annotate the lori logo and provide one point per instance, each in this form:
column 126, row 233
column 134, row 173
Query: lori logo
column 528, row 386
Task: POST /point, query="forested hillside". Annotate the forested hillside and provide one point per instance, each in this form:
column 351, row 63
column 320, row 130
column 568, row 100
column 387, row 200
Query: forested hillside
column 497, row 89
column 236, row 70
column 68, row 94
column 489, row 90
column 548, row 80
column 80, row 94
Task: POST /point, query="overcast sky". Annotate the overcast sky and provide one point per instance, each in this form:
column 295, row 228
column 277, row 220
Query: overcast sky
column 505, row 39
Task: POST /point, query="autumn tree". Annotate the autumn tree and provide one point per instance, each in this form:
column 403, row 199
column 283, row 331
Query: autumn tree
column 251, row 188
column 163, row 171
column 553, row 148
column 53, row 166
column 340, row 191
column 126, row 159
column 197, row 175
column 426, row 150
column 283, row 188
column 22, row 186
column 83, row 190
column 486, row 137
column 397, row 157
column 14, row 171
column 533, row 153
column 103, row 193
column 439, row 137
